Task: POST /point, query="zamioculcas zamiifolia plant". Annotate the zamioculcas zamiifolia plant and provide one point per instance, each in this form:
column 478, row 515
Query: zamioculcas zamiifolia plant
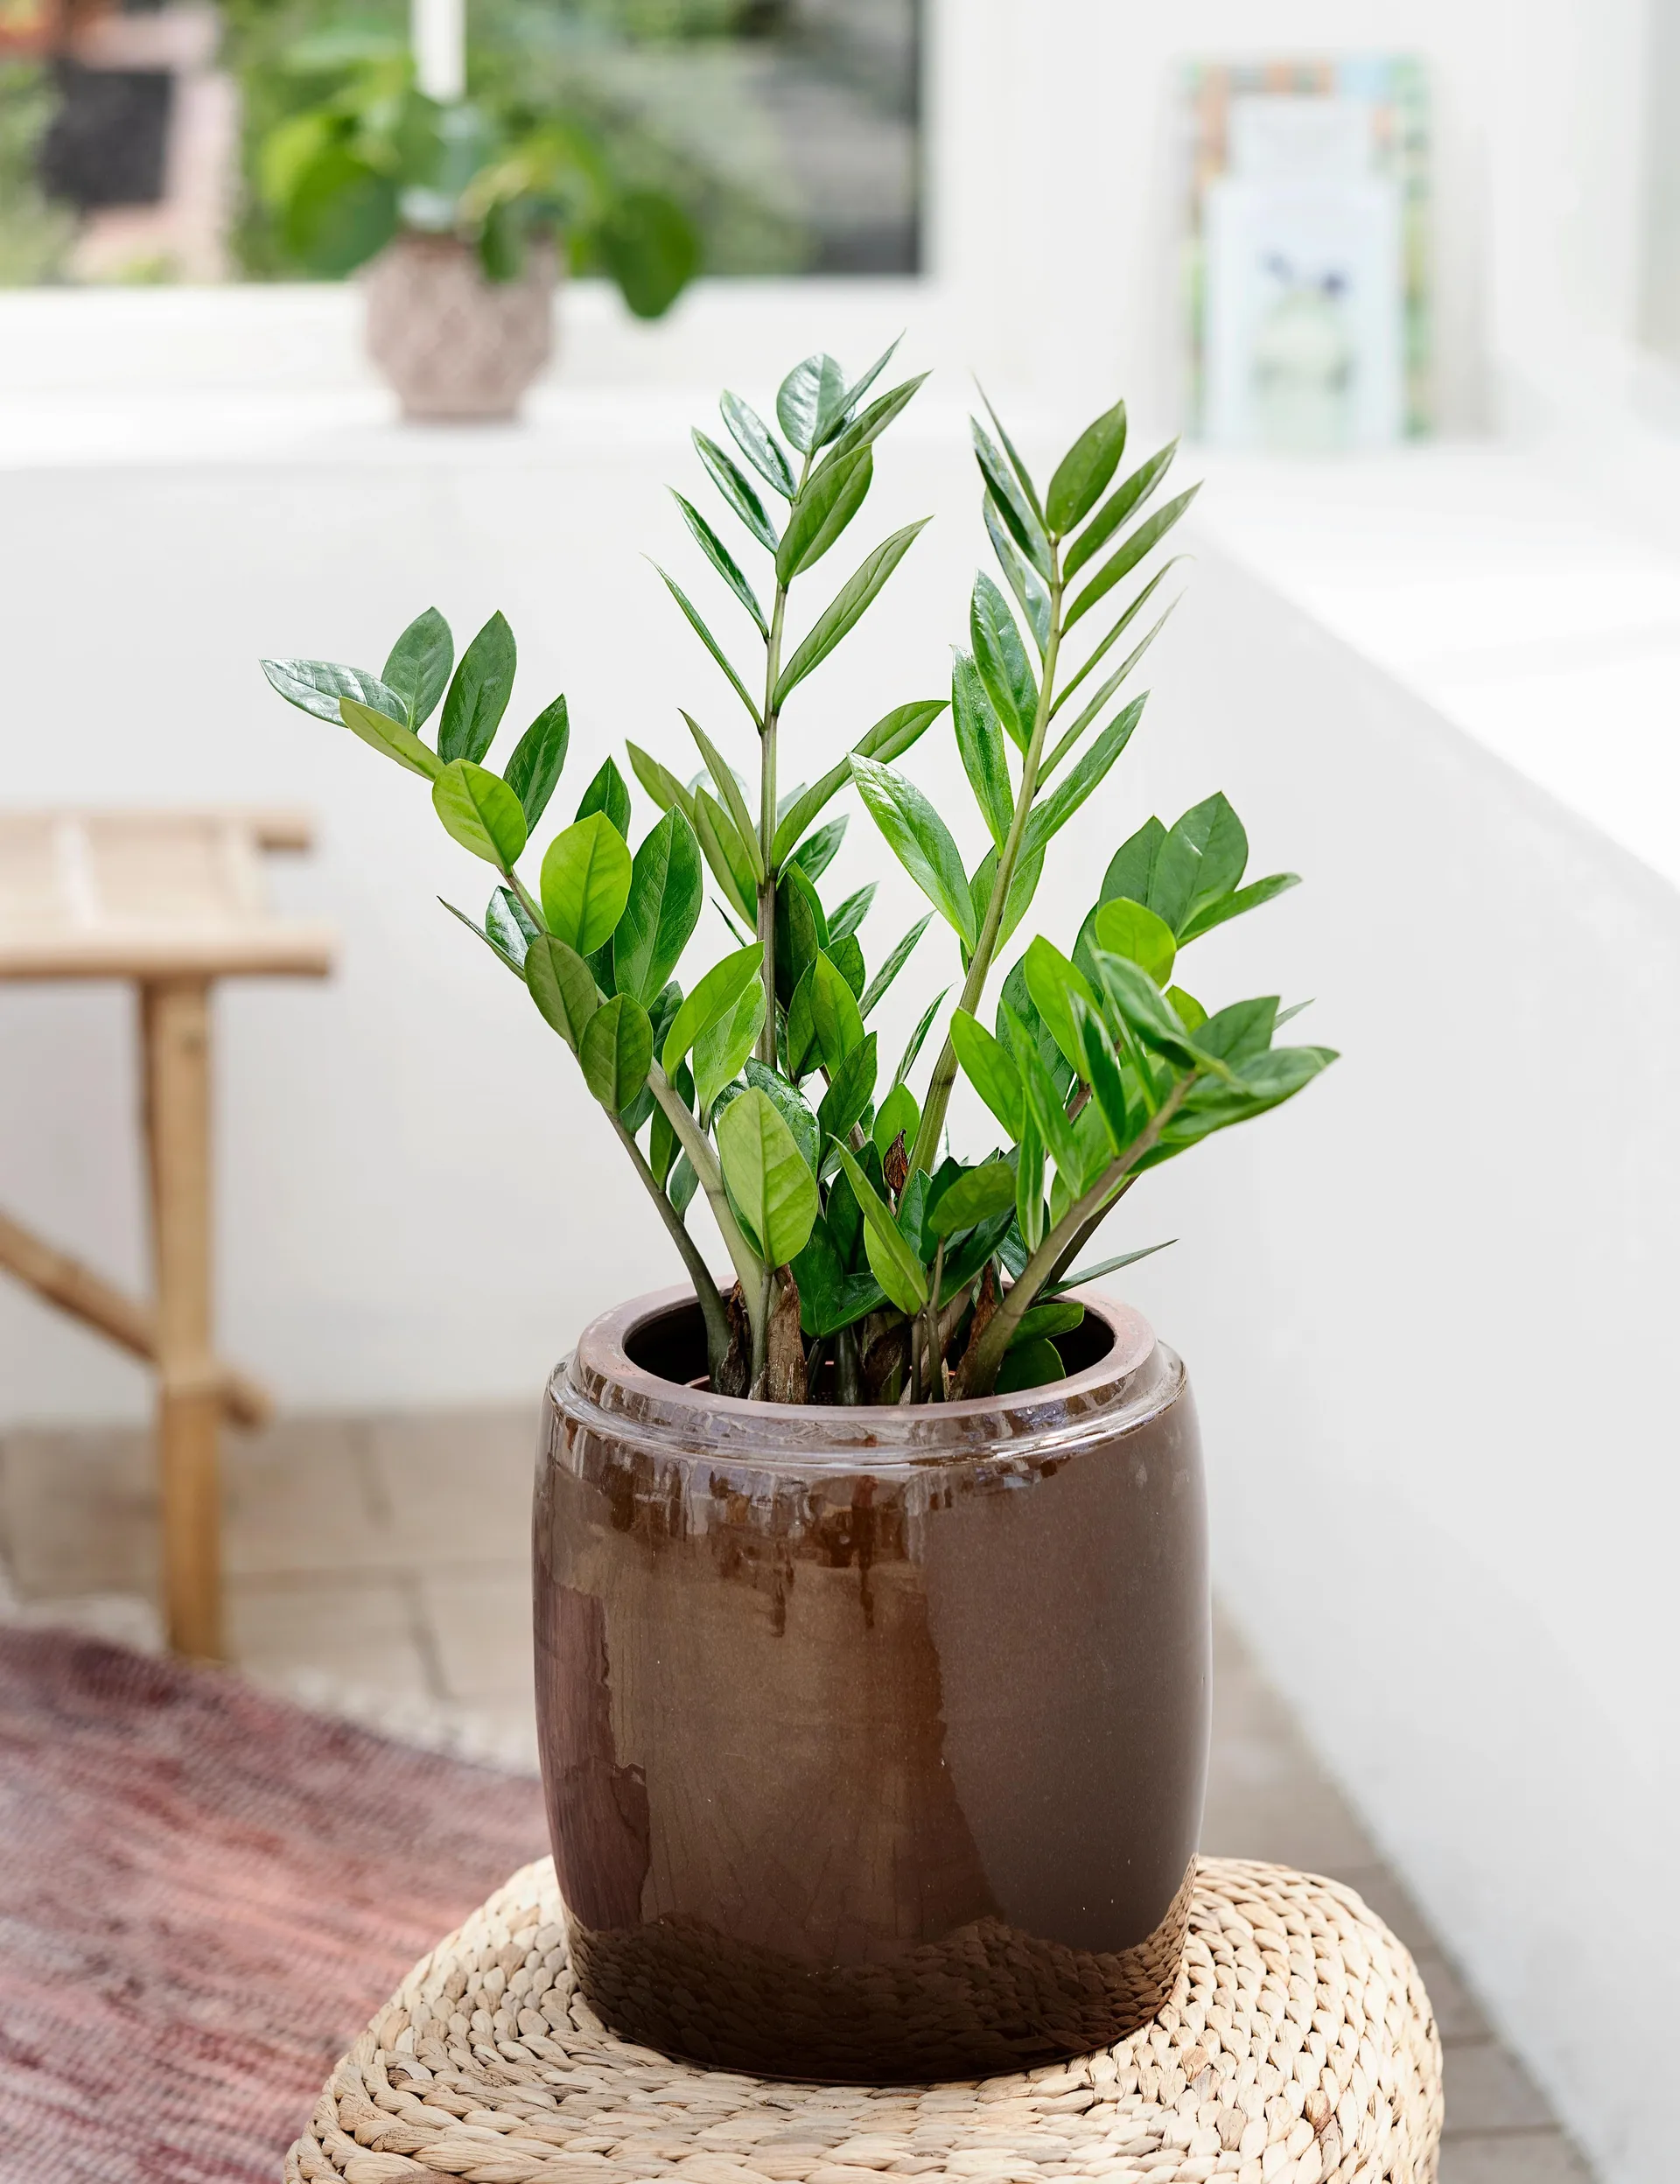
column 870, row 1263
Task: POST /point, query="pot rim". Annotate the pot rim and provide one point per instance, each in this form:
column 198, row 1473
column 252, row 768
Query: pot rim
column 601, row 1385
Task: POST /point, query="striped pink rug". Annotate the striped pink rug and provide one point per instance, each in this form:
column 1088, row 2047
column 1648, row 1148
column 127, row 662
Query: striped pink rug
column 205, row 1893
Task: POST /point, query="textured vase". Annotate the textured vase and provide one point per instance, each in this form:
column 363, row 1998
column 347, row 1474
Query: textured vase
column 874, row 1740
column 455, row 345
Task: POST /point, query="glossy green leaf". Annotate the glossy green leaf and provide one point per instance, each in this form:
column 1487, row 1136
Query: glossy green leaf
column 1130, row 493
column 988, row 1068
column 1044, row 1100
column 477, row 694
column 1024, row 580
column 1239, row 1031
column 730, row 790
column 666, row 792
column 1188, row 1009
column 816, row 852
column 509, row 925
column 1233, row 906
column 847, row 956
column 892, row 1262
column 846, row 609
column 1100, row 1067
column 801, row 929
column 889, row 737
column 1029, row 869
column 1017, row 1017
column 1001, row 658
column 758, row 443
column 918, row 1038
column 721, row 1050
column 616, row 1050
column 895, row 963
column 869, row 424
column 1029, row 1365
column 711, row 643
column 1081, row 1276
column 1055, row 984
column 852, row 913
column 389, row 737
column 1200, row 859
column 980, row 742
column 1022, row 474
column 481, row 812
column 1111, row 637
column 316, row 686
column 1082, row 475
column 829, row 1297
column 661, row 910
column 586, row 874
column 1146, row 1011
column 721, row 559
column 513, row 959
column 834, row 411
column 1100, row 696
column 1011, row 502
column 897, row 1116
column 835, row 1019
column 1126, row 558
column 1268, row 1080
column 418, row 667
column 714, row 995
column 609, row 793
column 533, row 773
column 813, row 392
column 1131, row 868
column 727, row 477
column 976, row 1195
column 725, row 852
column 849, row 1091
column 790, row 1104
column 683, row 1184
column 1044, row 1322
column 1131, row 930
column 562, row 986
column 771, row 1188
column 827, row 502
column 1053, row 810
column 920, row 841
column 1029, row 1182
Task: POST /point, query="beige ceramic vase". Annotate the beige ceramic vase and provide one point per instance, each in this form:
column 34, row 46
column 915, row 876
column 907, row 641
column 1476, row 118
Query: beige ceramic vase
column 456, row 347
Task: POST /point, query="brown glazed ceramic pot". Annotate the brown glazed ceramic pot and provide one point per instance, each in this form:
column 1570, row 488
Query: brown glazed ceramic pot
column 455, row 345
column 874, row 1740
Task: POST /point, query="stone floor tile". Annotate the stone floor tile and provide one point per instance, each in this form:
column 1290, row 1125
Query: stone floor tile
column 456, row 1485
column 480, row 1621
column 79, row 1511
column 1457, row 2014
column 362, row 1631
column 1488, row 2089
column 301, row 1498
column 1385, row 1894
column 1512, row 2157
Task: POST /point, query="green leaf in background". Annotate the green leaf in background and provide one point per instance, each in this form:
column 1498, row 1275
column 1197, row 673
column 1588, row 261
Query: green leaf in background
column 1029, row 1181
column 891, row 1260
column 730, row 790
column 1240, row 1031
column 816, row 852
column 616, row 1050
column 826, row 504
column 1233, row 906
column 729, row 480
column 897, row 1115
column 1188, row 1009
column 666, row 792
column 721, row 559
column 533, row 771
column 1082, row 475
column 1268, row 1080
column 389, row 737
column 732, row 869
column 418, row 667
column 1023, row 476
column 1100, row 1067
column 1024, row 580
column 1054, row 983
column 709, row 643
column 509, row 924
column 847, row 956
column 723, row 1045
column 812, row 391
column 608, row 794
column 1029, row 1365
column 1044, row 1100
column 714, row 995
column 801, row 929
column 1012, row 503
column 980, row 743
column 829, row 1297
column 894, row 963
column 1028, row 872
column 918, row 1039
column 1052, row 812
column 1043, row 1322
column 846, row 609
column 1131, row 868
column 661, row 910
column 1130, row 494
column 920, row 841
column 561, row 986
column 834, row 411
column 770, row 1186
column 758, row 443
column 1081, row 1275
column 478, row 695
column 1131, row 930
column 1126, row 558
column 1146, row 1011
column 316, row 686
column 586, row 883
column 1202, row 859
column 683, row 1185
column 482, row 812
column 869, row 424
column 990, row 1070
column 792, row 1107
column 976, row 1196
column 849, row 1091
column 1001, row 658
column 889, row 739
column 650, row 245
column 835, row 1019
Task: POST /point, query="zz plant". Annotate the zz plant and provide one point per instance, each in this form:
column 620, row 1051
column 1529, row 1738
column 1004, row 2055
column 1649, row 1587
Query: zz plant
column 872, row 1265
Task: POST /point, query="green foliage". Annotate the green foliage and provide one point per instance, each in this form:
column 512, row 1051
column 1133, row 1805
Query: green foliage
column 762, row 1086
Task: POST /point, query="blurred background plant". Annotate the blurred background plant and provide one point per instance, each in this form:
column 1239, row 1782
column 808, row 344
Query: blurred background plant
column 35, row 233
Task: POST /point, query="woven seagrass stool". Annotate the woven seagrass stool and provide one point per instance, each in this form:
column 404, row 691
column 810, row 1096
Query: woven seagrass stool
column 1298, row 2047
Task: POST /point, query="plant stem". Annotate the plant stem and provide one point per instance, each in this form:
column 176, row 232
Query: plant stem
column 767, row 726
column 925, row 1149
column 747, row 1264
column 705, row 1288
column 532, row 909
column 933, row 1384
column 981, row 1367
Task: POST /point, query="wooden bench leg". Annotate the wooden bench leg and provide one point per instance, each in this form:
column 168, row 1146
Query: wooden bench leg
column 175, row 1020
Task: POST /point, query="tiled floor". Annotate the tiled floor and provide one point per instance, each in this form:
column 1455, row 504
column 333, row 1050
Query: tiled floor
column 380, row 1566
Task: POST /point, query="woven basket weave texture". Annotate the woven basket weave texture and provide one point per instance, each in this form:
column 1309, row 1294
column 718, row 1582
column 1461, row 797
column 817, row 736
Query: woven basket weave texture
column 1298, row 2047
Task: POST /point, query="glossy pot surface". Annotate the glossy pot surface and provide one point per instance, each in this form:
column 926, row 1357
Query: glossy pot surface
column 874, row 1740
